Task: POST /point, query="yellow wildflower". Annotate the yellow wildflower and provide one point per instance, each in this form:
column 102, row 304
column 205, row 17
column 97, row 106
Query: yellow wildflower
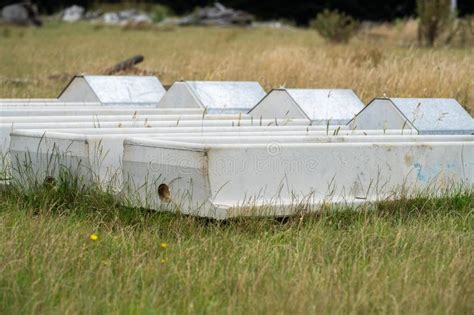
column 163, row 245
column 94, row 237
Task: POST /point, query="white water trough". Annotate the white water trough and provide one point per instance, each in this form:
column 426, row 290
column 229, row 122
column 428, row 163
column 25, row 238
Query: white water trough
column 114, row 90
column 31, row 101
column 134, row 117
column 287, row 156
column 49, row 104
column 319, row 106
column 113, row 137
column 424, row 115
column 226, row 180
column 101, row 153
column 10, row 123
column 217, row 129
column 93, row 111
column 214, row 96
column 7, row 128
column 106, row 146
column 90, row 122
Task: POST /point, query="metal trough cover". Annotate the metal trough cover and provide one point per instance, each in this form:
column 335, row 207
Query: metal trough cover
column 320, row 106
column 114, row 90
column 215, row 96
column 425, row 115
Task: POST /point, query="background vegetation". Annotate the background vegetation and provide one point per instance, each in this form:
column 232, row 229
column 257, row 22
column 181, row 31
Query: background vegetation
column 382, row 60
column 299, row 11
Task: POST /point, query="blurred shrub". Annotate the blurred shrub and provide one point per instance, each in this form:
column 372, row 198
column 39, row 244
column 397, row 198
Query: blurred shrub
column 159, row 12
column 6, row 32
column 335, row 26
column 461, row 32
column 435, row 17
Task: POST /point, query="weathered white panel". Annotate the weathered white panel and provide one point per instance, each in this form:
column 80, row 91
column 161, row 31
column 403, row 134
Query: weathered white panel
column 105, row 150
column 134, row 117
column 96, row 161
column 317, row 137
column 7, row 128
column 47, row 105
column 113, row 137
column 81, row 111
column 219, row 129
column 14, row 101
column 295, row 177
column 34, row 159
column 186, row 167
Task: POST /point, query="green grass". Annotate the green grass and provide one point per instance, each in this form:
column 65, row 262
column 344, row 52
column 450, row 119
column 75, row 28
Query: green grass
column 409, row 256
column 404, row 257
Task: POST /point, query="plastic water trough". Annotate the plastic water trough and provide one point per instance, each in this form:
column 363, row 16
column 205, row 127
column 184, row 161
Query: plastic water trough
column 86, row 157
column 105, row 147
column 7, row 128
column 280, row 178
column 119, row 118
column 28, row 111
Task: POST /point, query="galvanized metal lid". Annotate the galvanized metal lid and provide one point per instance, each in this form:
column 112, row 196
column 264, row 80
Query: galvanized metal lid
column 115, row 89
column 336, row 105
column 435, row 115
column 227, row 95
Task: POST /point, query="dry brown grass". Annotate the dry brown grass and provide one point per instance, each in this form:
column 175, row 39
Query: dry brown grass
column 382, row 60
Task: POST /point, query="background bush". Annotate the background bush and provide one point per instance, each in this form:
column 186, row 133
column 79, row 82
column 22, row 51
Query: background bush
column 434, row 17
column 334, row 26
column 160, row 12
column 300, row 11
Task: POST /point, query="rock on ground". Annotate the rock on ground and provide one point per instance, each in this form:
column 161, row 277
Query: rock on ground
column 23, row 13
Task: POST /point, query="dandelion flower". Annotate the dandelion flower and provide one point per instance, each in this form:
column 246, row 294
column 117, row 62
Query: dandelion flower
column 94, row 237
column 163, row 245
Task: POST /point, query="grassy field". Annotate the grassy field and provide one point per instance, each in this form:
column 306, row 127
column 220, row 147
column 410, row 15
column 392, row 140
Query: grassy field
column 405, row 257
column 381, row 61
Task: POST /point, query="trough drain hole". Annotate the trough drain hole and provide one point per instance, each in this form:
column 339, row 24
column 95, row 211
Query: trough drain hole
column 164, row 193
column 49, row 181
